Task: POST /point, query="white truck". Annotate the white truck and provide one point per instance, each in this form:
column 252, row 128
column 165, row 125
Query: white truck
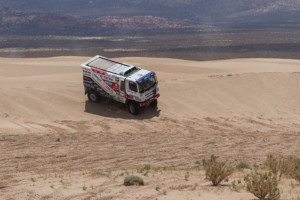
column 133, row 86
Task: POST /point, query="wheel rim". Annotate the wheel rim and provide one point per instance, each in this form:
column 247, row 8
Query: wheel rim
column 93, row 97
column 131, row 107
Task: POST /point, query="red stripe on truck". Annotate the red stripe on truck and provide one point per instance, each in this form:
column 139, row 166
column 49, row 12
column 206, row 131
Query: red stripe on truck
column 98, row 71
column 114, row 61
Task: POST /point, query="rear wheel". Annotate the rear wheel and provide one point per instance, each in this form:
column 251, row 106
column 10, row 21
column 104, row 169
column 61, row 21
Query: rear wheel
column 133, row 108
column 93, row 96
column 154, row 103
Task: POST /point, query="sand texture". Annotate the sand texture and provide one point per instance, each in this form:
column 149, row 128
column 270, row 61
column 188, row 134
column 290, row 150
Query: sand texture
column 54, row 142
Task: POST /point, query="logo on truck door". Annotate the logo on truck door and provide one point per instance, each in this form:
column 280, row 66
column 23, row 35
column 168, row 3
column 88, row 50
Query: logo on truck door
column 112, row 85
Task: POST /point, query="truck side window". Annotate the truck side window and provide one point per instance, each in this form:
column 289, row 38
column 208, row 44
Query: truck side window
column 122, row 87
column 132, row 86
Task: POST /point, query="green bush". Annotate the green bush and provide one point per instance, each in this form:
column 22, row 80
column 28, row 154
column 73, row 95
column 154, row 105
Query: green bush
column 263, row 185
column 216, row 171
column 133, row 180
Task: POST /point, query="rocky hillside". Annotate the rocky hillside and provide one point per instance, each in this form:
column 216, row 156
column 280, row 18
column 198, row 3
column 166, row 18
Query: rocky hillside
column 31, row 23
column 235, row 11
column 37, row 23
column 144, row 22
column 94, row 17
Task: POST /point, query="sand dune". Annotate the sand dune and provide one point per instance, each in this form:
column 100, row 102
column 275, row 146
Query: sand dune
column 46, row 90
column 239, row 109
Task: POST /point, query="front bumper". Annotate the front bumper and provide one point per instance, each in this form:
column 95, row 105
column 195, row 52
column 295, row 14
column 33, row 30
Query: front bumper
column 146, row 103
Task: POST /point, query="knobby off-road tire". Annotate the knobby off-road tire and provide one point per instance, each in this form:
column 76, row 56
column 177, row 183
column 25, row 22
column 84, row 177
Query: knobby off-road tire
column 133, row 108
column 93, row 97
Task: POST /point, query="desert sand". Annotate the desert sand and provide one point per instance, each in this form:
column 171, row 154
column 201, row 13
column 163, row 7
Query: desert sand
column 55, row 144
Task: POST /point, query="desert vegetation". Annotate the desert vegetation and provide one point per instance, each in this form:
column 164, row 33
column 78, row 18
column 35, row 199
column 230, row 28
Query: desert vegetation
column 263, row 185
column 289, row 166
column 262, row 181
column 216, row 171
column 133, row 180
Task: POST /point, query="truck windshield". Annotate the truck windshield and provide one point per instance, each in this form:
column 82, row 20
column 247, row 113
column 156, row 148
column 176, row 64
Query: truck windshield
column 148, row 83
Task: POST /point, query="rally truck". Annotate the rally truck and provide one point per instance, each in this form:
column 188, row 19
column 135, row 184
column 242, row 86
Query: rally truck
column 128, row 84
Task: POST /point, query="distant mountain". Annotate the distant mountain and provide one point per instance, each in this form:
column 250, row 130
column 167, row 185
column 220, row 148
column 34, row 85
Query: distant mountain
column 144, row 22
column 204, row 11
column 33, row 23
column 37, row 23
column 94, row 17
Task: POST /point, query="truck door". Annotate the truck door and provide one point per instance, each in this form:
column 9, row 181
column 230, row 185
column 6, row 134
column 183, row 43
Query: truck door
column 131, row 89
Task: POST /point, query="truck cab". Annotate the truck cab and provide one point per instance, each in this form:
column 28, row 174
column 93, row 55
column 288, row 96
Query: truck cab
column 142, row 89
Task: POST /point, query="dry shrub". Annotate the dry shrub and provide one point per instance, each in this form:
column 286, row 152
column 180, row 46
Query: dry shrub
column 243, row 165
column 289, row 166
column 263, row 185
column 280, row 165
column 133, row 180
column 295, row 172
column 216, row 171
column 236, row 185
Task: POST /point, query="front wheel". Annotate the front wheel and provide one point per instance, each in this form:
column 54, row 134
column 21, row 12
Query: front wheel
column 93, row 96
column 133, row 108
column 154, row 103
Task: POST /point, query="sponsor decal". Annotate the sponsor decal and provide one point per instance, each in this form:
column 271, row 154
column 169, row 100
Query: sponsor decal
column 86, row 73
column 98, row 71
column 108, row 83
column 108, row 86
column 108, row 78
column 131, row 97
column 100, row 82
column 112, row 85
column 117, row 79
